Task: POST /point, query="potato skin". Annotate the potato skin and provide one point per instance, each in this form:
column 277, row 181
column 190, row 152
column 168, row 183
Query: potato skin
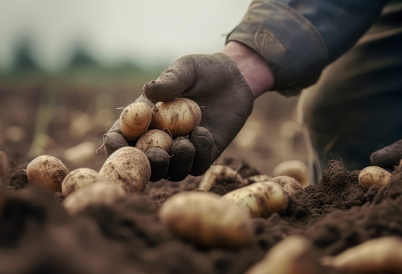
column 78, row 179
column 380, row 255
column 127, row 167
column 46, row 171
column 374, row 175
column 178, row 116
column 258, row 178
column 293, row 168
column 155, row 138
column 135, row 120
column 259, row 199
column 216, row 173
column 289, row 184
column 98, row 193
column 206, row 219
column 294, row 254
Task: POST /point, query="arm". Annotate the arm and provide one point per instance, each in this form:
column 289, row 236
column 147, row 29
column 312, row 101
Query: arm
column 254, row 69
column 298, row 38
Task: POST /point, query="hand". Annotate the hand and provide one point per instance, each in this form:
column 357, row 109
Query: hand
column 389, row 156
column 223, row 93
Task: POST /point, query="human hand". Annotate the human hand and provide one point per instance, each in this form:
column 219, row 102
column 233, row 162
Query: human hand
column 389, row 156
column 223, row 93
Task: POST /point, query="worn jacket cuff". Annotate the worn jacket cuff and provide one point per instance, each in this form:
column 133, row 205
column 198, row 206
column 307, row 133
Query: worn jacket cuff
column 288, row 42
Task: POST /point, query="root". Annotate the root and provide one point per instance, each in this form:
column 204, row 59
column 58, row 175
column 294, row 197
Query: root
column 105, row 139
column 168, row 131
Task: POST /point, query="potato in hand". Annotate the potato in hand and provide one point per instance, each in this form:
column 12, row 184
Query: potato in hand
column 174, row 143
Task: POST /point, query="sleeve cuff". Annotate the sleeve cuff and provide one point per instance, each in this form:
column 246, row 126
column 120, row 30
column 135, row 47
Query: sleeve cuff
column 287, row 41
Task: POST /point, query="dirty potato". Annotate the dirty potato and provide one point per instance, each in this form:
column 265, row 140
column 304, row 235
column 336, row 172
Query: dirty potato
column 127, row 167
column 206, row 219
column 289, row 184
column 259, row 199
column 154, row 138
column 293, row 255
column 135, row 120
column 99, row 193
column 258, row 178
column 293, row 168
column 381, row 255
column 219, row 172
column 179, row 116
column 374, row 175
column 46, row 171
column 78, row 179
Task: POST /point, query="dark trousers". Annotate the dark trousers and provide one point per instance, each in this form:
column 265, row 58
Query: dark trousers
column 356, row 106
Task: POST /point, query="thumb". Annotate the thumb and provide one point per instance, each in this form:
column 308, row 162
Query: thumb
column 172, row 82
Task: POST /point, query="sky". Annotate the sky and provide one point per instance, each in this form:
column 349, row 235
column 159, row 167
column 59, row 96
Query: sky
column 151, row 31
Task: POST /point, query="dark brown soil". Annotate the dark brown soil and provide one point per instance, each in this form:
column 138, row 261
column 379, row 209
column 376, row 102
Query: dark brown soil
column 37, row 235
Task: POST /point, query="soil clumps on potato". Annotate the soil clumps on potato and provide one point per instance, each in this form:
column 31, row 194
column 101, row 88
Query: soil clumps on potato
column 37, row 234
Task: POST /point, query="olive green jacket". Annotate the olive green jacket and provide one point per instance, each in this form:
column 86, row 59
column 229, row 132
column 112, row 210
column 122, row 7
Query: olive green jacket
column 298, row 38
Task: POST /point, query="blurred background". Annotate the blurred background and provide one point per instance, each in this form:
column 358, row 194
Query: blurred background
column 66, row 66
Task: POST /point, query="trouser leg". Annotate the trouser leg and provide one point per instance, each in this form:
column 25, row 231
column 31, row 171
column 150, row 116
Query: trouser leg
column 356, row 106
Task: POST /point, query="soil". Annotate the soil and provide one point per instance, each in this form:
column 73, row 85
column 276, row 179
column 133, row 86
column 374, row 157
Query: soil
column 38, row 236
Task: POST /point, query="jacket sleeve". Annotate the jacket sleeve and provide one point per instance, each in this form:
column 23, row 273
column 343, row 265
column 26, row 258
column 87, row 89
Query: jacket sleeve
column 298, row 38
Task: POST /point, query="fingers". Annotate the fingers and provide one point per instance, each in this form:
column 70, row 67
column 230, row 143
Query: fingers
column 159, row 161
column 113, row 140
column 182, row 158
column 172, row 82
column 203, row 143
column 388, row 157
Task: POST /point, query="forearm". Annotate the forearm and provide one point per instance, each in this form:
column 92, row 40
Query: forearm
column 252, row 66
column 298, row 38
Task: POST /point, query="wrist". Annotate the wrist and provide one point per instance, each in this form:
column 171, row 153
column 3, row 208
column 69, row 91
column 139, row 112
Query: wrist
column 254, row 69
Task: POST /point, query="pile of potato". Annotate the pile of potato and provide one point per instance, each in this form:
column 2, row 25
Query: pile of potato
column 153, row 127
column 225, row 221
column 128, row 169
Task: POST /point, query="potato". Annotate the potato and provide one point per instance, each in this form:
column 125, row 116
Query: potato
column 374, row 175
column 206, row 219
column 259, row 199
column 218, row 172
column 294, row 168
column 78, row 179
column 258, row 178
column 127, row 167
column 179, row 116
column 95, row 194
column 293, row 255
column 381, row 255
column 289, row 184
column 155, row 138
column 135, row 120
column 46, row 171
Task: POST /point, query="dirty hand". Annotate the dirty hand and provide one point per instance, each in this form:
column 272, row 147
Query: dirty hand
column 389, row 156
column 217, row 86
column 224, row 85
